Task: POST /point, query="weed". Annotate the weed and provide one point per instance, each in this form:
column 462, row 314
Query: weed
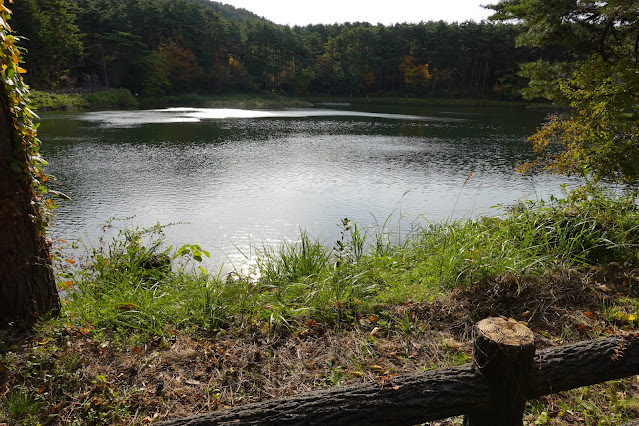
column 129, row 284
column 407, row 323
column 292, row 261
column 334, row 374
column 21, row 404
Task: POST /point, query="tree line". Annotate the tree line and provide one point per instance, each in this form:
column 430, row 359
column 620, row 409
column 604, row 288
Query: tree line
column 160, row 47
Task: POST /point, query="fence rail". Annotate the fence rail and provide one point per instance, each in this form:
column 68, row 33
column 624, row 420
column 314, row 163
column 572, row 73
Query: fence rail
column 492, row 390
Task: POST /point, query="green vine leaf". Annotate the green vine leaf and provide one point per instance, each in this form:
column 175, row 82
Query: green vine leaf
column 17, row 93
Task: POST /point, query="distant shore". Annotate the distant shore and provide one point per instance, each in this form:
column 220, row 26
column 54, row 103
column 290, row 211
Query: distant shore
column 124, row 99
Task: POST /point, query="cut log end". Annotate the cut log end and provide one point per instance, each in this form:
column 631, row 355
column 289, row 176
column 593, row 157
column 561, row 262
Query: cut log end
column 505, row 331
column 503, row 354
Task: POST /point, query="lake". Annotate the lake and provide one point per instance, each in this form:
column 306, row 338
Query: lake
column 236, row 180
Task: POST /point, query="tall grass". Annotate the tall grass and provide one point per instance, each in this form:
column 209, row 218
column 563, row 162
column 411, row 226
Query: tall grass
column 129, row 284
column 135, row 283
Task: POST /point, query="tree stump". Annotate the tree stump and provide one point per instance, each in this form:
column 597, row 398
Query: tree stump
column 503, row 354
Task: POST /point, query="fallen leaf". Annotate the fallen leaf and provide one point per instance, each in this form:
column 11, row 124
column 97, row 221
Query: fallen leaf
column 127, row 306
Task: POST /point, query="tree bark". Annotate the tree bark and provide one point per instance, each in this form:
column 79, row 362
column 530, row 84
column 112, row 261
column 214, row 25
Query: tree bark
column 585, row 363
column 402, row 400
column 27, row 284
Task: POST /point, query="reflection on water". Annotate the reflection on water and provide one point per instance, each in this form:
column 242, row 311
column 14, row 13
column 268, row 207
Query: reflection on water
column 191, row 115
column 238, row 179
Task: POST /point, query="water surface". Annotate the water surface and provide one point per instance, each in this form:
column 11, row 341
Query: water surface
column 237, row 179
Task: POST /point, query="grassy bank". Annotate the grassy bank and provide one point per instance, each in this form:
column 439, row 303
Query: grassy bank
column 146, row 334
column 113, row 98
column 428, row 101
column 236, row 101
column 123, row 99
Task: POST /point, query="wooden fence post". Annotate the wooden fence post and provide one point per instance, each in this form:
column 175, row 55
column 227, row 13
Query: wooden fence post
column 503, row 354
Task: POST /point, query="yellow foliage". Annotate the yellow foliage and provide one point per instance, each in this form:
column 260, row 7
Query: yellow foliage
column 415, row 77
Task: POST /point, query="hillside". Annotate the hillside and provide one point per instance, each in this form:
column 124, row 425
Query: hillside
column 168, row 47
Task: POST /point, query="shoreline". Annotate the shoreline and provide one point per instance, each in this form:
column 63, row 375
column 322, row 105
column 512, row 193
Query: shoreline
column 122, row 99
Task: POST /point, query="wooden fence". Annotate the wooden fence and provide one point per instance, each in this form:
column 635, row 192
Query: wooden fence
column 492, row 390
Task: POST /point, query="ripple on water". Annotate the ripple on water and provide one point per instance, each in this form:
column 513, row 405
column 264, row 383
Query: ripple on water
column 238, row 179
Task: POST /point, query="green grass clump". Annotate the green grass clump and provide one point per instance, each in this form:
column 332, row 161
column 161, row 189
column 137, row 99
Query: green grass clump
column 582, row 229
column 112, row 98
column 133, row 284
column 45, row 101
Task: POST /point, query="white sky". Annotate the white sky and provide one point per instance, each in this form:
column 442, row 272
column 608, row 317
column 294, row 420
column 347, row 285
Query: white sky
column 387, row 12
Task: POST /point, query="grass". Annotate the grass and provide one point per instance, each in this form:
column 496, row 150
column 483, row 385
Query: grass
column 45, row 101
column 429, row 101
column 111, row 98
column 146, row 334
column 240, row 101
column 124, row 99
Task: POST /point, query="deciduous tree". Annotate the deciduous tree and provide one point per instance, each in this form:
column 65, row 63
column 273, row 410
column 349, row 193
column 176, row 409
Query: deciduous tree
column 416, row 78
column 597, row 73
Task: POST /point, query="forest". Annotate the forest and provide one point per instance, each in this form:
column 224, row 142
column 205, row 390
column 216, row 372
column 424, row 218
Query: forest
column 167, row 47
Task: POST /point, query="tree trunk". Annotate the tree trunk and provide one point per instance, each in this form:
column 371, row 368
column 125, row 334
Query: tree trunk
column 27, row 285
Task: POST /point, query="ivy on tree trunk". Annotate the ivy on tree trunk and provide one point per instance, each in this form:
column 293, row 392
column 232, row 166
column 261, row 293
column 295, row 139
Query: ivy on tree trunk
column 27, row 284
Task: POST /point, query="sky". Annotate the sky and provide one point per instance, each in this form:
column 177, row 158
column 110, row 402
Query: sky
column 387, row 12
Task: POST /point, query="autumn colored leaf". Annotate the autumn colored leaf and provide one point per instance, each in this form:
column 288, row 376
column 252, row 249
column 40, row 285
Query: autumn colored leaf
column 127, row 306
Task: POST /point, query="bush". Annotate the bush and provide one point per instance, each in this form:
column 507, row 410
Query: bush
column 120, row 98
